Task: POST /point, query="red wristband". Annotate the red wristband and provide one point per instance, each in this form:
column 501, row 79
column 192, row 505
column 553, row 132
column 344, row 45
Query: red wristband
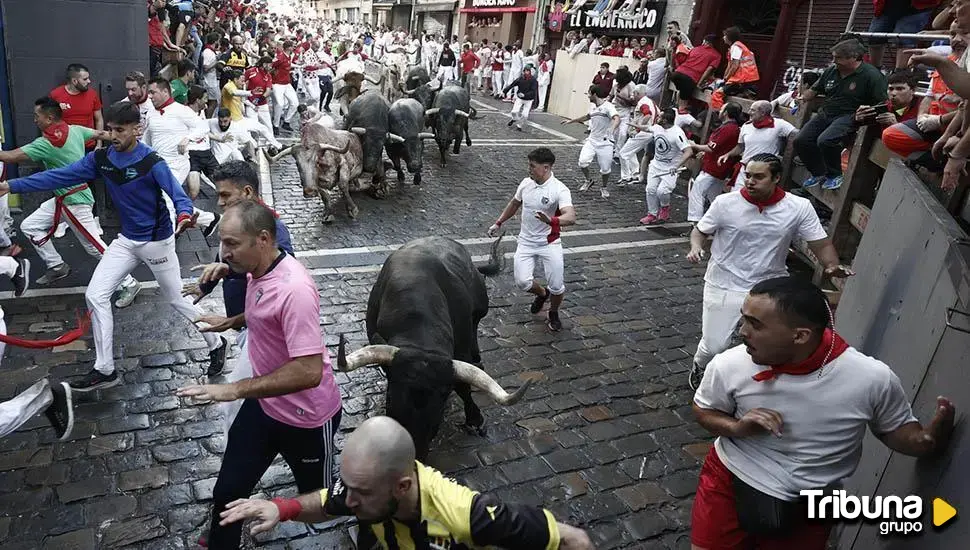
column 498, row 223
column 289, row 508
column 182, row 218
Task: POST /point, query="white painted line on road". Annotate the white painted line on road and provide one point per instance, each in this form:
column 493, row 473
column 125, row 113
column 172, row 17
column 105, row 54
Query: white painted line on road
column 528, row 122
column 79, row 290
column 482, row 240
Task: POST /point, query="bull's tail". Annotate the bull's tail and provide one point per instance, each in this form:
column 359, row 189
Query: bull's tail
column 496, row 261
column 473, row 113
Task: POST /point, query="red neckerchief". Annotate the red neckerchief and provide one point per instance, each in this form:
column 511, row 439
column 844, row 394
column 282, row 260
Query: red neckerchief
column 543, row 66
column 828, row 350
column 775, row 198
column 161, row 108
column 57, row 133
column 767, row 122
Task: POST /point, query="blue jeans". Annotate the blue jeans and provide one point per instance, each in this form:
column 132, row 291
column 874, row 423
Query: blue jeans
column 899, row 17
column 819, row 143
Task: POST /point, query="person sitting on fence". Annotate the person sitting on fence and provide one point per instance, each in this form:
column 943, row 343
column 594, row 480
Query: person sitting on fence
column 902, row 105
column 741, row 74
column 846, row 85
column 790, row 408
column 901, row 17
column 913, row 139
column 700, row 64
column 790, row 100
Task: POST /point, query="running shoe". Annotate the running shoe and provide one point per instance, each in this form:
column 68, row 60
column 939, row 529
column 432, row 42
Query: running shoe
column 695, row 376
column 831, row 184
column 60, row 413
column 217, row 358
column 555, row 324
column 54, row 274
column 605, row 193
column 585, row 186
column 61, row 230
column 539, row 302
column 127, row 295
column 649, row 219
column 664, row 215
column 511, row 122
column 812, row 181
column 95, row 380
column 212, row 226
column 21, row 278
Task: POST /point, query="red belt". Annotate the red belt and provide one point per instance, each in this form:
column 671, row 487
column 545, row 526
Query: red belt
column 60, row 208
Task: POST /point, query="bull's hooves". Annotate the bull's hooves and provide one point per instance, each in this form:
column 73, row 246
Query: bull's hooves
column 352, row 214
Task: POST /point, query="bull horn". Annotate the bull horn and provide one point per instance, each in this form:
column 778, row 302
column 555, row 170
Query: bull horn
column 281, row 154
column 470, row 374
column 334, row 148
column 426, row 135
column 432, row 111
column 462, row 113
column 378, row 82
column 368, row 355
column 410, row 93
column 358, row 130
column 395, row 138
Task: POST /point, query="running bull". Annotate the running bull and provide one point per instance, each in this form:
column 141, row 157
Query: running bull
column 368, row 119
column 327, row 159
column 422, row 321
column 406, row 119
column 449, row 119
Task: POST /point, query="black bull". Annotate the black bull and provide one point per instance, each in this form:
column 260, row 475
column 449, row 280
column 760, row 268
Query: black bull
column 367, row 118
column 406, row 119
column 449, row 119
column 422, row 323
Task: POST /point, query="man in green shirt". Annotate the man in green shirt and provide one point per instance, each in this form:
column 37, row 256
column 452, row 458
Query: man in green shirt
column 847, row 85
column 60, row 145
column 180, row 86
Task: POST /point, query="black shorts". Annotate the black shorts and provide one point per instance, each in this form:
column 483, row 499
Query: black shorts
column 684, row 84
column 203, row 161
column 185, row 18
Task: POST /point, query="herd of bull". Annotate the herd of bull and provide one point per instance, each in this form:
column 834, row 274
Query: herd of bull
column 392, row 117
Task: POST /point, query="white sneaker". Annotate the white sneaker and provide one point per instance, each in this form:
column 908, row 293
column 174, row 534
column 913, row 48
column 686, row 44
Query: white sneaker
column 127, row 295
column 586, row 186
column 604, row 193
column 61, row 230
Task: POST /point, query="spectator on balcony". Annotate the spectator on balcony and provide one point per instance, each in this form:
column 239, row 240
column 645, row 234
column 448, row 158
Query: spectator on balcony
column 604, row 80
column 912, row 139
column 846, row 85
column 742, row 69
column 898, row 16
column 700, row 64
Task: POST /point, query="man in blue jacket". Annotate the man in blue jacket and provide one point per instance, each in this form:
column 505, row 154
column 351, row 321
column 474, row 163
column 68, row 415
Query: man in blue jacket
column 135, row 177
column 526, row 93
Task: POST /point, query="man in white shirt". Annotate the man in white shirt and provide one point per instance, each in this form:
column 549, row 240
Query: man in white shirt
column 669, row 145
column 790, row 408
column 762, row 134
column 603, row 121
column 547, row 205
column 515, row 67
column 227, row 138
column 136, row 86
column 644, row 116
column 752, row 232
column 544, row 78
column 656, row 74
column 210, row 76
column 170, row 129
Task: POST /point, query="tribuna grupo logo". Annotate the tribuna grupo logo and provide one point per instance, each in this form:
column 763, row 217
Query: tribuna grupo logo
column 895, row 515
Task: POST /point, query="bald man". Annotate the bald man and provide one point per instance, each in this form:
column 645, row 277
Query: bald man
column 389, row 491
column 763, row 133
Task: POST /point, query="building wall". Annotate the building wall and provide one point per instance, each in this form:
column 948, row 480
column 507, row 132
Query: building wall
column 337, row 9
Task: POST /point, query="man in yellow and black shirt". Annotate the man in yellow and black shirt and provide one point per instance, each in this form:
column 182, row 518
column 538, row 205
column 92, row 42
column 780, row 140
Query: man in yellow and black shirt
column 406, row 505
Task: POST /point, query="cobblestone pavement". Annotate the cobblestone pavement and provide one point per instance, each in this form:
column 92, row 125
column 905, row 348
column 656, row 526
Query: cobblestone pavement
column 604, row 439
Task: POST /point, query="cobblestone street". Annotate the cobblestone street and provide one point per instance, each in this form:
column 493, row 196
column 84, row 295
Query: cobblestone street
column 605, row 438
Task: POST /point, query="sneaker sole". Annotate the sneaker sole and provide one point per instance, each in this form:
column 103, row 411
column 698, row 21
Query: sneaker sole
column 70, row 411
column 101, row 386
column 26, row 275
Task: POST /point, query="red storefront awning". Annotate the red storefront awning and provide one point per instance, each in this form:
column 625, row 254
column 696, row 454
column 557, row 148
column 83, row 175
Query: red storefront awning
column 497, row 10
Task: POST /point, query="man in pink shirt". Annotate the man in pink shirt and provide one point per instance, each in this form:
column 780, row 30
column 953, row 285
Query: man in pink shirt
column 292, row 403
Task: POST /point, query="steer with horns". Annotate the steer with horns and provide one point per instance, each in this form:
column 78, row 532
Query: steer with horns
column 422, row 321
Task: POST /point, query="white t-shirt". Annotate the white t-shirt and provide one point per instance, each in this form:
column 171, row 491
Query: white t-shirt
column 166, row 130
column 201, row 140
column 684, row 120
column 669, row 145
column 764, row 140
column 601, row 122
column 824, row 414
column 751, row 246
column 655, row 76
column 547, row 198
column 647, row 109
column 209, row 78
column 146, row 109
column 735, row 52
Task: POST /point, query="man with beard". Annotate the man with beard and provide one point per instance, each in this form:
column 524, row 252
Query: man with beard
column 291, row 403
column 59, row 145
column 134, row 176
column 390, row 493
column 235, row 59
column 790, row 408
column 752, row 232
column 136, row 86
column 228, row 140
column 79, row 103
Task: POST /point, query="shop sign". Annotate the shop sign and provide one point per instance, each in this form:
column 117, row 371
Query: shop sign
column 492, row 3
column 646, row 19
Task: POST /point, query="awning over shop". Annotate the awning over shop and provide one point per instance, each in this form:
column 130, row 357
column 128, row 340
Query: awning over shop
column 498, row 10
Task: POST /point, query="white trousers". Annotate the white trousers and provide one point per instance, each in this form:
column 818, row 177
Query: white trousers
column 32, row 401
column 120, row 259
column 497, row 82
column 241, row 370
column 550, row 255
column 722, row 311
column 285, row 103
column 311, row 84
column 447, row 73
column 601, row 152
column 629, row 163
column 262, row 125
column 543, row 88
column 706, row 188
column 622, row 130
column 520, row 111
column 5, row 221
column 659, row 186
